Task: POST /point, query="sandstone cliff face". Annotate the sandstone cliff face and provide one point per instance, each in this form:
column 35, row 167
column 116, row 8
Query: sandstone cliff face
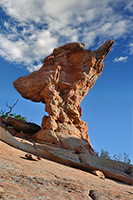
column 61, row 84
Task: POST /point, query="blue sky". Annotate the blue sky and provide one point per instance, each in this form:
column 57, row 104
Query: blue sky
column 30, row 30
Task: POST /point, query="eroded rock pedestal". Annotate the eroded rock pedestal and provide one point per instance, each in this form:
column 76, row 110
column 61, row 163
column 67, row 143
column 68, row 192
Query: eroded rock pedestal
column 61, row 84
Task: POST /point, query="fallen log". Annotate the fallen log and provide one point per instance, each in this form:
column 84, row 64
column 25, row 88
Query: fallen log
column 111, row 169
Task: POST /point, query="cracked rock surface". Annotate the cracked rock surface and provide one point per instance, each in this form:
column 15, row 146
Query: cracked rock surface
column 24, row 179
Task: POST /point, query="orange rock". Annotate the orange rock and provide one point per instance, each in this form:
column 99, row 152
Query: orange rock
column 32, row 157
column 20, row 125
column 99, row 174
column 63, row 81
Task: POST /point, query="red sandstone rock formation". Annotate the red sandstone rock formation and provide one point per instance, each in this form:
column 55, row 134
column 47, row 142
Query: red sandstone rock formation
column 63, row 81
column 20, row 125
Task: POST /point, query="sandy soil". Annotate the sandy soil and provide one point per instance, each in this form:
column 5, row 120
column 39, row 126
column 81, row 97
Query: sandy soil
column 23, row 179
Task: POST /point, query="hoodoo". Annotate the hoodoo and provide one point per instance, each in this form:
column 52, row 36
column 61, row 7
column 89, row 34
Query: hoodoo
column 61, row 84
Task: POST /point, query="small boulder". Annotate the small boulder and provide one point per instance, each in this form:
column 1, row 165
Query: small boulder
column 32, row 157
column 20, row 125
column 99, row 174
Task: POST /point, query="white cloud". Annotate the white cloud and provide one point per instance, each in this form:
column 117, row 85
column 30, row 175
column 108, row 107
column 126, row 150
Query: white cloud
column 121, row 59
column 35, row 27
column 26, row 48
column 11, row 50
column 131, row 48
column 129, row 6
column 34, row 67
column 23, row 10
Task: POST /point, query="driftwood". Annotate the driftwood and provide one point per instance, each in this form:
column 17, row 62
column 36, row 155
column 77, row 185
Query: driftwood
column 111, row 169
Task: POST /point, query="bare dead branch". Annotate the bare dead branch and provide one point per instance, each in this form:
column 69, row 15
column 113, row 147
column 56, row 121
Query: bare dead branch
column 11, row 107
column 2, row 112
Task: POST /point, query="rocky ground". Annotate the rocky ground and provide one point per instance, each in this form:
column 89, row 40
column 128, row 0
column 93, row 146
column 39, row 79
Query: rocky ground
column 24, row 179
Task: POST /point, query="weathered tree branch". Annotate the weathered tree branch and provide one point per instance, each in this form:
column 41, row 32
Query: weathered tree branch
column 11, row 107
column 2, row 112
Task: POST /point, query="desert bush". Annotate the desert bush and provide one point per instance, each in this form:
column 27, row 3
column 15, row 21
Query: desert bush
column 4, row 115
column 118, row 157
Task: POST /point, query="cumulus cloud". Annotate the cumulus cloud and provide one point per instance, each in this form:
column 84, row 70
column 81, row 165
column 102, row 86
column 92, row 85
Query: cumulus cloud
column 31, row 29
column 121, row 59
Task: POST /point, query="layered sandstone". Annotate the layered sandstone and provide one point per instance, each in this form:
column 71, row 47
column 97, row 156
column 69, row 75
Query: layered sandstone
column 61, row 84
column 25, row 179
column 96, row 165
